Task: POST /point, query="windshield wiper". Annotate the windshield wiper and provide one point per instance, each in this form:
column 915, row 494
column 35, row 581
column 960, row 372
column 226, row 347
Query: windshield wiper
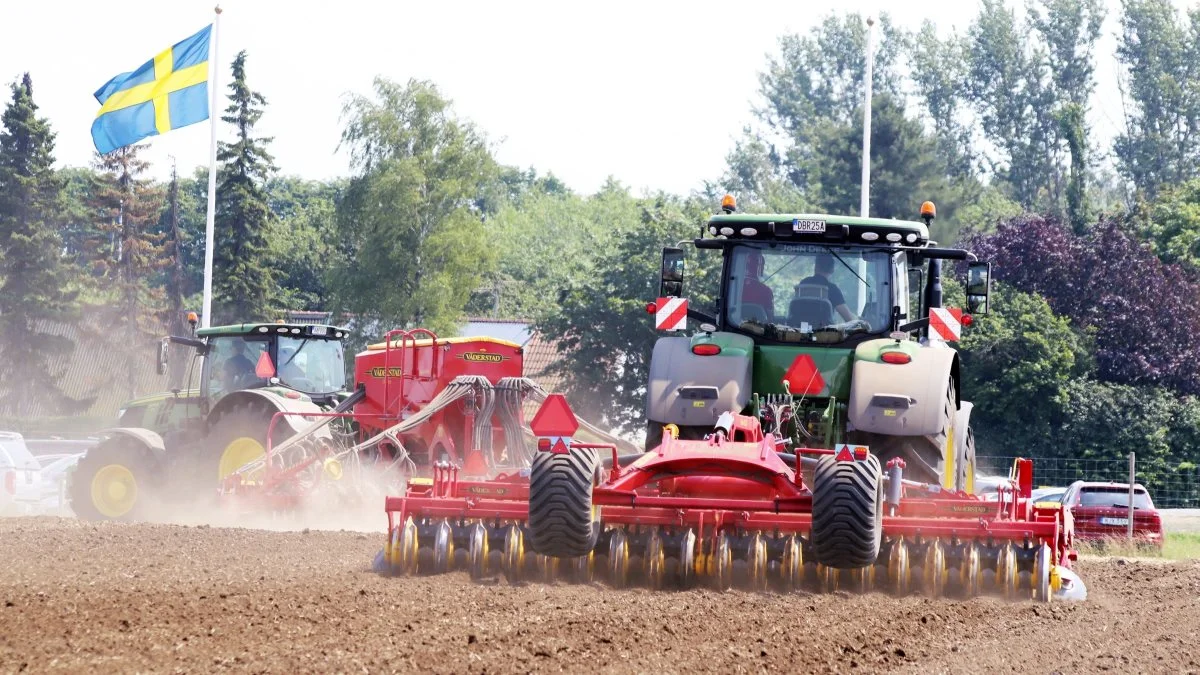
column 847, row 266
column 297, row 352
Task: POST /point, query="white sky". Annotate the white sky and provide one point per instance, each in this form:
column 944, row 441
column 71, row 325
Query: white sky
column 651, row 92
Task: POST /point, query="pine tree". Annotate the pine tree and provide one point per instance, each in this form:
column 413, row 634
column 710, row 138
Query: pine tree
column 129, row 253
column 243, row 282
column 35, row 279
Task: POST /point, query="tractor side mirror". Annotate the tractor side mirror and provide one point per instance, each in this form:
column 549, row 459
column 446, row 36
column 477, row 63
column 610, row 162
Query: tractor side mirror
column 163, row 346
column 671, row 284
column 979, row 287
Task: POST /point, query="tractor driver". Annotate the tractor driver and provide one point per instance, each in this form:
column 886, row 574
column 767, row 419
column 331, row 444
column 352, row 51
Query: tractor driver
column 822, row 277
column 754, row 291
column 238, row 370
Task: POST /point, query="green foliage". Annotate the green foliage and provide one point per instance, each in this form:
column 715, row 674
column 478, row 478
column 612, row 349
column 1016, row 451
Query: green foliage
column 939, row 72
column 35, row 279
column 408, row 223
column 1019, row 354
column 1172, row 223
column 303, row 239
column 1160, row 53
column 546, row 244
column 127, row 255
column 243, row 279
column 605, row 337
column 905, row 167
column 989, row 206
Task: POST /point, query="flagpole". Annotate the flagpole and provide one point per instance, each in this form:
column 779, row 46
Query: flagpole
column 206, row 321
column 865, row 201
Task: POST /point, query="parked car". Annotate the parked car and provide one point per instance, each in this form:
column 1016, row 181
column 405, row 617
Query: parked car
column 32, row 484
column 1049, row 494
column 20, row 476
column 1101, row 513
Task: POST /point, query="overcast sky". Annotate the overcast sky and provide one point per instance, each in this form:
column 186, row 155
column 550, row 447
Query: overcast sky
column 651, row 92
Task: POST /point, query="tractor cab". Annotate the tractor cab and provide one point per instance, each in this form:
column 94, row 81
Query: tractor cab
column 804, row 279
column 305, row 359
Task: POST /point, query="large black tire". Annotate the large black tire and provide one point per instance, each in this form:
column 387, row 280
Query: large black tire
column 924, row 456
column 847, row 512
column 561, row 519
column 117, row 480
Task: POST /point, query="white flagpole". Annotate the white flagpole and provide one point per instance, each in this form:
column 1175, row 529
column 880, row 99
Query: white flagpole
column 865, row 203
column 206, row 321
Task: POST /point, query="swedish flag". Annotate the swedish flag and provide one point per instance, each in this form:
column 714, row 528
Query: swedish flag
column 167, row 92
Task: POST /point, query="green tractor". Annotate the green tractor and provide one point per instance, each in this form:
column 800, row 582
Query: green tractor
column 830, row 330
column 177, row 447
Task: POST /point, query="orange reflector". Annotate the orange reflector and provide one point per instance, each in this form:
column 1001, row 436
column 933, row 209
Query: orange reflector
column 706, row 349
column 860, row 453
column 899, row 358
column 928, row 210
column 265, row 369
column 543, row 445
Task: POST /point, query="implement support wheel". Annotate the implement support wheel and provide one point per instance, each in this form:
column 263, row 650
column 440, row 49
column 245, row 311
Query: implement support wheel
column 561, row 517
column 847, row 512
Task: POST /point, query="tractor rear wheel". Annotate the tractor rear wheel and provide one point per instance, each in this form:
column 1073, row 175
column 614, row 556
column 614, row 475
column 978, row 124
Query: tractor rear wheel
column 847, row 512
column 236, row 437
column 932, row 459
column 114, row 481
column 562, row 522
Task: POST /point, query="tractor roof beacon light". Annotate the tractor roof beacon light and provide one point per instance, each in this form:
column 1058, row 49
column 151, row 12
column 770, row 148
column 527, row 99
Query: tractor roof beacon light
column 728, row 204
column 928, row 212
column 192, row 319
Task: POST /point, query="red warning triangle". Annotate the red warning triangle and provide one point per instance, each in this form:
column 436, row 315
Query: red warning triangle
column 265, row 368
column 554, row 418
column 844, row 455
column 560, row 447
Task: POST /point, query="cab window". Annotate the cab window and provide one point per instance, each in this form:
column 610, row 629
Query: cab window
column 232, row 362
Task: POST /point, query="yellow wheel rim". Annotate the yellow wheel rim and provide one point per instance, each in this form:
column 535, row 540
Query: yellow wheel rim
column 949, row 477
column 970, row 477
column 114, row 490
column 239, row 453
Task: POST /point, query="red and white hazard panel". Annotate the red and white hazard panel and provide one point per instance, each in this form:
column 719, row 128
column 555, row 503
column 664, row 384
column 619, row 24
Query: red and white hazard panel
column 671, row 314
column 945, row 323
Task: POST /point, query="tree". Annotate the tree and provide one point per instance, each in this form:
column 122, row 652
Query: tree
column 605, row 337
column 1020, row 353
column 939, row 75
column 1172, row 223
column 128, row 254
column 36, row 281
column 905, row 167
column 1069, row 29
column 1141, row 312
column 303, row 239
column 1009, row 88
column 1161, row 57
column 243, row 279
column 409, row 224
column 818, row 78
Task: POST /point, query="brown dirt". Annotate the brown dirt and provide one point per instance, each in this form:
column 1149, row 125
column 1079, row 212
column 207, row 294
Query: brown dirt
column 137, row 598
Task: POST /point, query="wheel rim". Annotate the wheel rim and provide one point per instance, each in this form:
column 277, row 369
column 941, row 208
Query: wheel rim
column 114, row 490
column 240, row 452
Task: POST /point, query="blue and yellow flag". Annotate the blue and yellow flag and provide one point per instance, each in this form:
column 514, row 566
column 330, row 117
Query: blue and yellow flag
column 167, row 92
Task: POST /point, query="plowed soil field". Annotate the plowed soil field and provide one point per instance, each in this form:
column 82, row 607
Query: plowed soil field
column 162, row 598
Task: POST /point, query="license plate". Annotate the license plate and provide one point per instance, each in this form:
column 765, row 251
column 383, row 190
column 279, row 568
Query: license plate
column 808, row 226
column 1105, row 520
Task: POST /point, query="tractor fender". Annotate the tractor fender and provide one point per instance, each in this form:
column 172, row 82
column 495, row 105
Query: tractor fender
column 902, row 399
column 144, row 437
column 692, row 390
column 273, row 402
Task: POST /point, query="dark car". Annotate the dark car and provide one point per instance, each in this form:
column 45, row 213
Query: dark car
column 1101, row 513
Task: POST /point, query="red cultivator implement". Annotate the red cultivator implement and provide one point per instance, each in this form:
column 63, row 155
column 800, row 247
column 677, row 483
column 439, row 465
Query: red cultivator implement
column 730, row 509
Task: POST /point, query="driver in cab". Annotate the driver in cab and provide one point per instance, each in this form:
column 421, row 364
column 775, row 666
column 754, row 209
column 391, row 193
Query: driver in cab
column 822, row 276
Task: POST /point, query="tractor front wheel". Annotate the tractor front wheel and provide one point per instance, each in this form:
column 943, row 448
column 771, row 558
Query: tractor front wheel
column 847, row 512
column 562, row 521
column 114, row 480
